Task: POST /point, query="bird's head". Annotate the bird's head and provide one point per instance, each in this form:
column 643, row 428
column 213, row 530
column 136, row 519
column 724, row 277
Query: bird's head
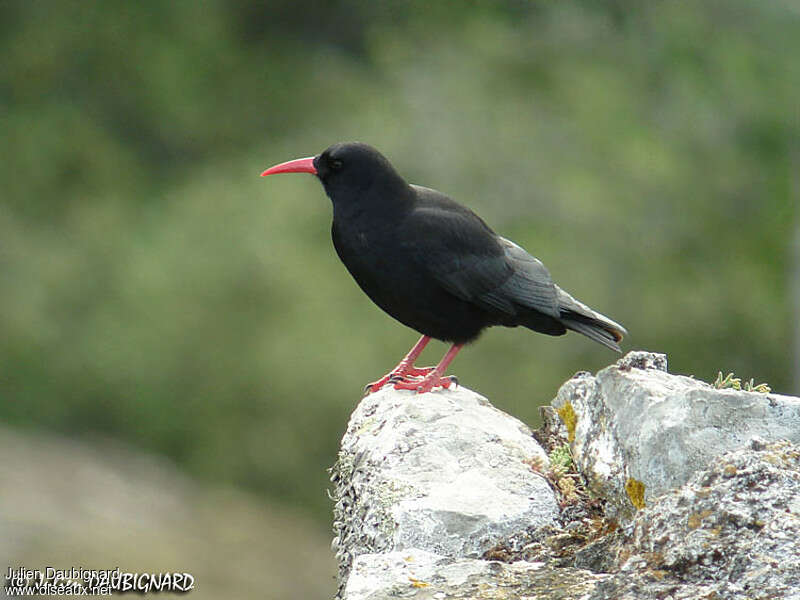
column 346, row 169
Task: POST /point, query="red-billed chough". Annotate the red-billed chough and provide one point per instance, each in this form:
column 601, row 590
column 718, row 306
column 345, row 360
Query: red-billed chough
column 434, row 265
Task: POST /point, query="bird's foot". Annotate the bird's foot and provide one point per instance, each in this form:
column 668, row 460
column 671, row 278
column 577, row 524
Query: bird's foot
column 427, row 384
column 397, row 376
column 416, row 372
column 376, row 385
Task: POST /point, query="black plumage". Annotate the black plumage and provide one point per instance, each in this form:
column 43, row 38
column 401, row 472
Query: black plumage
column 434, row 265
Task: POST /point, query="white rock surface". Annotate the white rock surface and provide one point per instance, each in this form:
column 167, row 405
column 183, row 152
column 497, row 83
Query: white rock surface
column 426, row 576
column 635, row 423
column 443, row 471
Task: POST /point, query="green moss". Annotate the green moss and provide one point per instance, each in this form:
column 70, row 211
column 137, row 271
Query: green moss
column 561, row 459
column 727, row 382
column 735, row 383
column 752, row 386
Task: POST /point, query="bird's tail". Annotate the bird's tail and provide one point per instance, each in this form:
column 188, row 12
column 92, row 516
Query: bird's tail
column 579, row 317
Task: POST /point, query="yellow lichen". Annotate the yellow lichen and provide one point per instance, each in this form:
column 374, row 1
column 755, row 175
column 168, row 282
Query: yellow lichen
column 659, row 574
column 729, row 470
column 635, row 490
column 696, row 519
column 567, row 415
column 703, row 492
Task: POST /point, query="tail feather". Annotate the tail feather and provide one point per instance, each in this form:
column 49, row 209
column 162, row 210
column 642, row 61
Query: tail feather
column 578, row 317
column 594, row 332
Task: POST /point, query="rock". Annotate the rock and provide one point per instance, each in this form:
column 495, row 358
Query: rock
column 636, row 431
column 427, row 576
column 731, row 532
column 445, row 472
column 682, row 491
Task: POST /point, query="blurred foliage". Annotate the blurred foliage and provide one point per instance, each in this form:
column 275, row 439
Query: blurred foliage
column 155, row 289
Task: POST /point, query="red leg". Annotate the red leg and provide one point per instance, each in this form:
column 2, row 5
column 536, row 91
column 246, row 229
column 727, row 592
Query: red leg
column 435, row 377
column 405, row 368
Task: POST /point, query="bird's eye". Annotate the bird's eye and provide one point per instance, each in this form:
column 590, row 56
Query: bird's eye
column 336, row 164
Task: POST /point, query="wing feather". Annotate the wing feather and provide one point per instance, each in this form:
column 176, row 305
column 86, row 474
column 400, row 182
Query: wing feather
column 465, row 257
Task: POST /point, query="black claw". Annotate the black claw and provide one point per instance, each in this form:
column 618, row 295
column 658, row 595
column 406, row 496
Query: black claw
column 453, row 379
column 399, row 378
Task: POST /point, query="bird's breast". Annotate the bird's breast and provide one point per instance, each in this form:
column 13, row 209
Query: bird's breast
column 389, row 271
column 368, row 253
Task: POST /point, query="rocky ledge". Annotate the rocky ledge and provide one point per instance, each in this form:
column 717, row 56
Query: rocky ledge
column 640, row 484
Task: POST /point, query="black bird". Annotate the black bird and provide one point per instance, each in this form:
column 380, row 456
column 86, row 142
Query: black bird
column 434, row 265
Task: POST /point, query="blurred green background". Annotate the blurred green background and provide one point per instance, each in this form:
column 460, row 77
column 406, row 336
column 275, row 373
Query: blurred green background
column 155, row 291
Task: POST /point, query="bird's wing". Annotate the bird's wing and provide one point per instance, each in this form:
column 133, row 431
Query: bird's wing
column 459, row 251
column 471, row 262
column 530, row 284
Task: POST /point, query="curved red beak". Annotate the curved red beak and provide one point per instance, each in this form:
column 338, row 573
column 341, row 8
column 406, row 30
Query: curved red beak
column 299, row 165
